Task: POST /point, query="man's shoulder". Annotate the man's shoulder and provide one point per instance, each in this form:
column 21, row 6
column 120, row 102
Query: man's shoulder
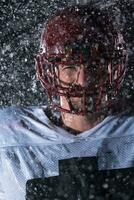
column 14, row 113
column 117, row 149
column 5, row 113
column 121, row 123
column 22, row 125
column 125, row 122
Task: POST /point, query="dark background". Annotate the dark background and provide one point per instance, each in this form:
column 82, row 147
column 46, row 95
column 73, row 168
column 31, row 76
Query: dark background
column 21, row 23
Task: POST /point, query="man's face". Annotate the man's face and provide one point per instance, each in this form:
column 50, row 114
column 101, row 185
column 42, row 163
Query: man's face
column 84, row 75
column 71, row 75
column 68, row 76
column 78, row 75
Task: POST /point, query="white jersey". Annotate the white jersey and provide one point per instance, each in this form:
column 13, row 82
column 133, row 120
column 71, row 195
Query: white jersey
column 31, row 146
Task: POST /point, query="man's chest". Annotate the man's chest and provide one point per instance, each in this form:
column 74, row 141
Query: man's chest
column 79, row 178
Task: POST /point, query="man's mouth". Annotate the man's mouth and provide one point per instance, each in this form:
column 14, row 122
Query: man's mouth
column 80, row 103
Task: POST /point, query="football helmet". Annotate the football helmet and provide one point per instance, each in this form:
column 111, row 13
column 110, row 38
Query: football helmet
column 82, row 36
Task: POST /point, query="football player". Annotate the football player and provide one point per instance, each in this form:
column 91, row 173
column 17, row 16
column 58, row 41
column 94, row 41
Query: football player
column 81, row 66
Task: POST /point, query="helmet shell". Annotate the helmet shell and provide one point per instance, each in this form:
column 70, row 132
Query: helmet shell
column 74, row 32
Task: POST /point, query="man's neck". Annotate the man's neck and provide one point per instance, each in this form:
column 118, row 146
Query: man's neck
column 80, row 123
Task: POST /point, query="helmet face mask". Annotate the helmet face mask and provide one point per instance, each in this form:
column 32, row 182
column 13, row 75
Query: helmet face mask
column 60, row 63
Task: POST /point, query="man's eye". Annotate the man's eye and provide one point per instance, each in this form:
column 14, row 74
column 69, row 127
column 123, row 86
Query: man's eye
column 70, row 68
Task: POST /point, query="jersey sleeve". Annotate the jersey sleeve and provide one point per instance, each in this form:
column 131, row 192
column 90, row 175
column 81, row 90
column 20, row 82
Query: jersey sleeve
column 118, row 151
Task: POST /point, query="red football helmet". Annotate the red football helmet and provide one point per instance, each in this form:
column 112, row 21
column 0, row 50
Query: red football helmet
column 81, row 35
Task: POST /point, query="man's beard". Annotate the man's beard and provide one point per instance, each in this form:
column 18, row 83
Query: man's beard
column 81, row 103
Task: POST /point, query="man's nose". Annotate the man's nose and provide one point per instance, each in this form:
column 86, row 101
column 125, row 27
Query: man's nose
column 81, row 79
